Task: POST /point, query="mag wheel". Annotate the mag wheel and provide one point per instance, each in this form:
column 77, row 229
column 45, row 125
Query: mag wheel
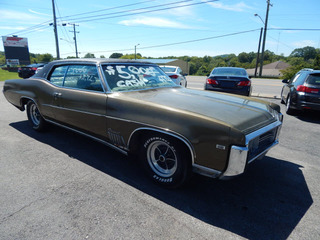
column 35, row 119
column 165, row 160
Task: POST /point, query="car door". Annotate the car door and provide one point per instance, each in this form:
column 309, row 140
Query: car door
column 288, row 87
column 79, row 98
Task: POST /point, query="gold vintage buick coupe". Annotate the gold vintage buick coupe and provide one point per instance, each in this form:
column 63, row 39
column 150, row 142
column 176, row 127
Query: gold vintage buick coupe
column 135, row 108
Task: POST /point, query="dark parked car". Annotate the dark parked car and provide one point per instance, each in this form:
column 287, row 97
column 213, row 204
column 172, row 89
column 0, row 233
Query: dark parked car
column 29, row 70
column 230, row 80
column 134, row 107
column 302, row 92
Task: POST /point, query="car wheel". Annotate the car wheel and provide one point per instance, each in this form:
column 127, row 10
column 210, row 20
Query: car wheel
column 165, row 160
column 35, row 119
column 282, row 100
column 289, row 109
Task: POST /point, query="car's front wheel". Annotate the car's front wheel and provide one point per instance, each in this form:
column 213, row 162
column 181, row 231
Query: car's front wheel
column 35, row 119
column 166, row 160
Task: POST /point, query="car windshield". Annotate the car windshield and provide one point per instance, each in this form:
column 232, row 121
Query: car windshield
column 314, row 79
column 168, row 69
column 133, row 76
column 229, row 72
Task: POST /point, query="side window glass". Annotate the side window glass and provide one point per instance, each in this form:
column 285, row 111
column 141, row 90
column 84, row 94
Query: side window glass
column 300, row 80
column 83, row 77
column 57, row 76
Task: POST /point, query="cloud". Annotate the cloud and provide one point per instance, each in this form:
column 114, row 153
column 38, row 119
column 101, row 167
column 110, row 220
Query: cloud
column 11, row 28
column 239, row 7
column 43, row 14
column 304, row 43
column 154, row 22
column 15, row 15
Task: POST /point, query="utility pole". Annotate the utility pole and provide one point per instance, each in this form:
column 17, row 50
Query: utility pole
column 257, row 61
column 55, row 29
column 264, row 37
column 75, row 37
column 135, row 51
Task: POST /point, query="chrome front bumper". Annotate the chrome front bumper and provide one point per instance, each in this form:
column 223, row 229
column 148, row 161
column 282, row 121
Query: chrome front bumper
column 241, row 156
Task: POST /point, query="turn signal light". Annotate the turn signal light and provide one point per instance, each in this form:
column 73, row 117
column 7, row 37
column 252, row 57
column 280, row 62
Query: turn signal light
column 305, row 89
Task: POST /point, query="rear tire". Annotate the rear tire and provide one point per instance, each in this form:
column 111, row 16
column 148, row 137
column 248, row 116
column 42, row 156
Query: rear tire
column 165, row 160
column 289, row 109
column 34, row 116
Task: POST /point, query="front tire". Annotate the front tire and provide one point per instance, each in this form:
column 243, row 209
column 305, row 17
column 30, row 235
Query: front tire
column 166, row 160
column 35, row 119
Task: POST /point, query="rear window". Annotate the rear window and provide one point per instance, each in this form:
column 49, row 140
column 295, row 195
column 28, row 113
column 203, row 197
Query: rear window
column 168, row 69
column 314, row 79
column 229, row 72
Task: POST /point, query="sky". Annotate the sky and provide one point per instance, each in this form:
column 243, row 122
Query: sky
column 161, row 28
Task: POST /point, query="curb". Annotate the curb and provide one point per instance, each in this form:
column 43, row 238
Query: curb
column 265, row 96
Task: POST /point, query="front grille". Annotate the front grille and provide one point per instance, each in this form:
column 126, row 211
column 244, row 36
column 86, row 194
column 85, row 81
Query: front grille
column 261, row 143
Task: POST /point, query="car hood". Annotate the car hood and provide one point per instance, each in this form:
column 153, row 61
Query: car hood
column 243, row 113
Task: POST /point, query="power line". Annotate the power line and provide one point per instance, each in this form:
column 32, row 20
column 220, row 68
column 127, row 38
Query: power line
column 107, row 9
column 178, row 43
column 31, row 28
column 97, row 17
column 295, row 29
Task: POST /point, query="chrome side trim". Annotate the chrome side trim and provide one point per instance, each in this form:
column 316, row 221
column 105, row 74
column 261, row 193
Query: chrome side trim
column 75, row 110
column 208, row 172
column 167, row 132
column 87, row 135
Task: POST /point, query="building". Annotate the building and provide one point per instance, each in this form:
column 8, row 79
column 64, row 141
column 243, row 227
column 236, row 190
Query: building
column 270, row 70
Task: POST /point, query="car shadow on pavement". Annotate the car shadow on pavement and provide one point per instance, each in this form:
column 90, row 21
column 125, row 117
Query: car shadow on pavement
column 309, row 116
column 265, row 203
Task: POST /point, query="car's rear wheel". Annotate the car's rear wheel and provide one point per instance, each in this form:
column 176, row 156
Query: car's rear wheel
column 289, row 109
column 166, row 160
column 35, row 119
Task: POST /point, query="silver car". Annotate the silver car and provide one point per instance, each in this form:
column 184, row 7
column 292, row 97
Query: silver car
column 176, row 74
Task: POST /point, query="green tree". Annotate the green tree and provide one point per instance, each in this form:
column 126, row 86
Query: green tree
column 306, row 52
column 47, row 57
column 89, row 55
column 116, row 55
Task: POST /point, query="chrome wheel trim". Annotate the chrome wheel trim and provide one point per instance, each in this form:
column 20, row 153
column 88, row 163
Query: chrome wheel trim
column 162, row 158
column 35, row 114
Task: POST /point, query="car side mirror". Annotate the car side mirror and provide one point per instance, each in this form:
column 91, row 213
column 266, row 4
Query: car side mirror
column 285, row 80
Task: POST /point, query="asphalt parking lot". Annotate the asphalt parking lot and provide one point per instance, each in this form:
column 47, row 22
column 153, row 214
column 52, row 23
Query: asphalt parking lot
column 59, row 185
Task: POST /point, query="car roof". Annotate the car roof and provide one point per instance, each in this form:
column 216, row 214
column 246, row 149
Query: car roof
column 310, row 71
column 235, row 68
column 168, row 66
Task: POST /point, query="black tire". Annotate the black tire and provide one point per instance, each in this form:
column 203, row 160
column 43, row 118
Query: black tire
column 282, row 101
column 166, row 160
column 35, row 119
column 289, row 109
